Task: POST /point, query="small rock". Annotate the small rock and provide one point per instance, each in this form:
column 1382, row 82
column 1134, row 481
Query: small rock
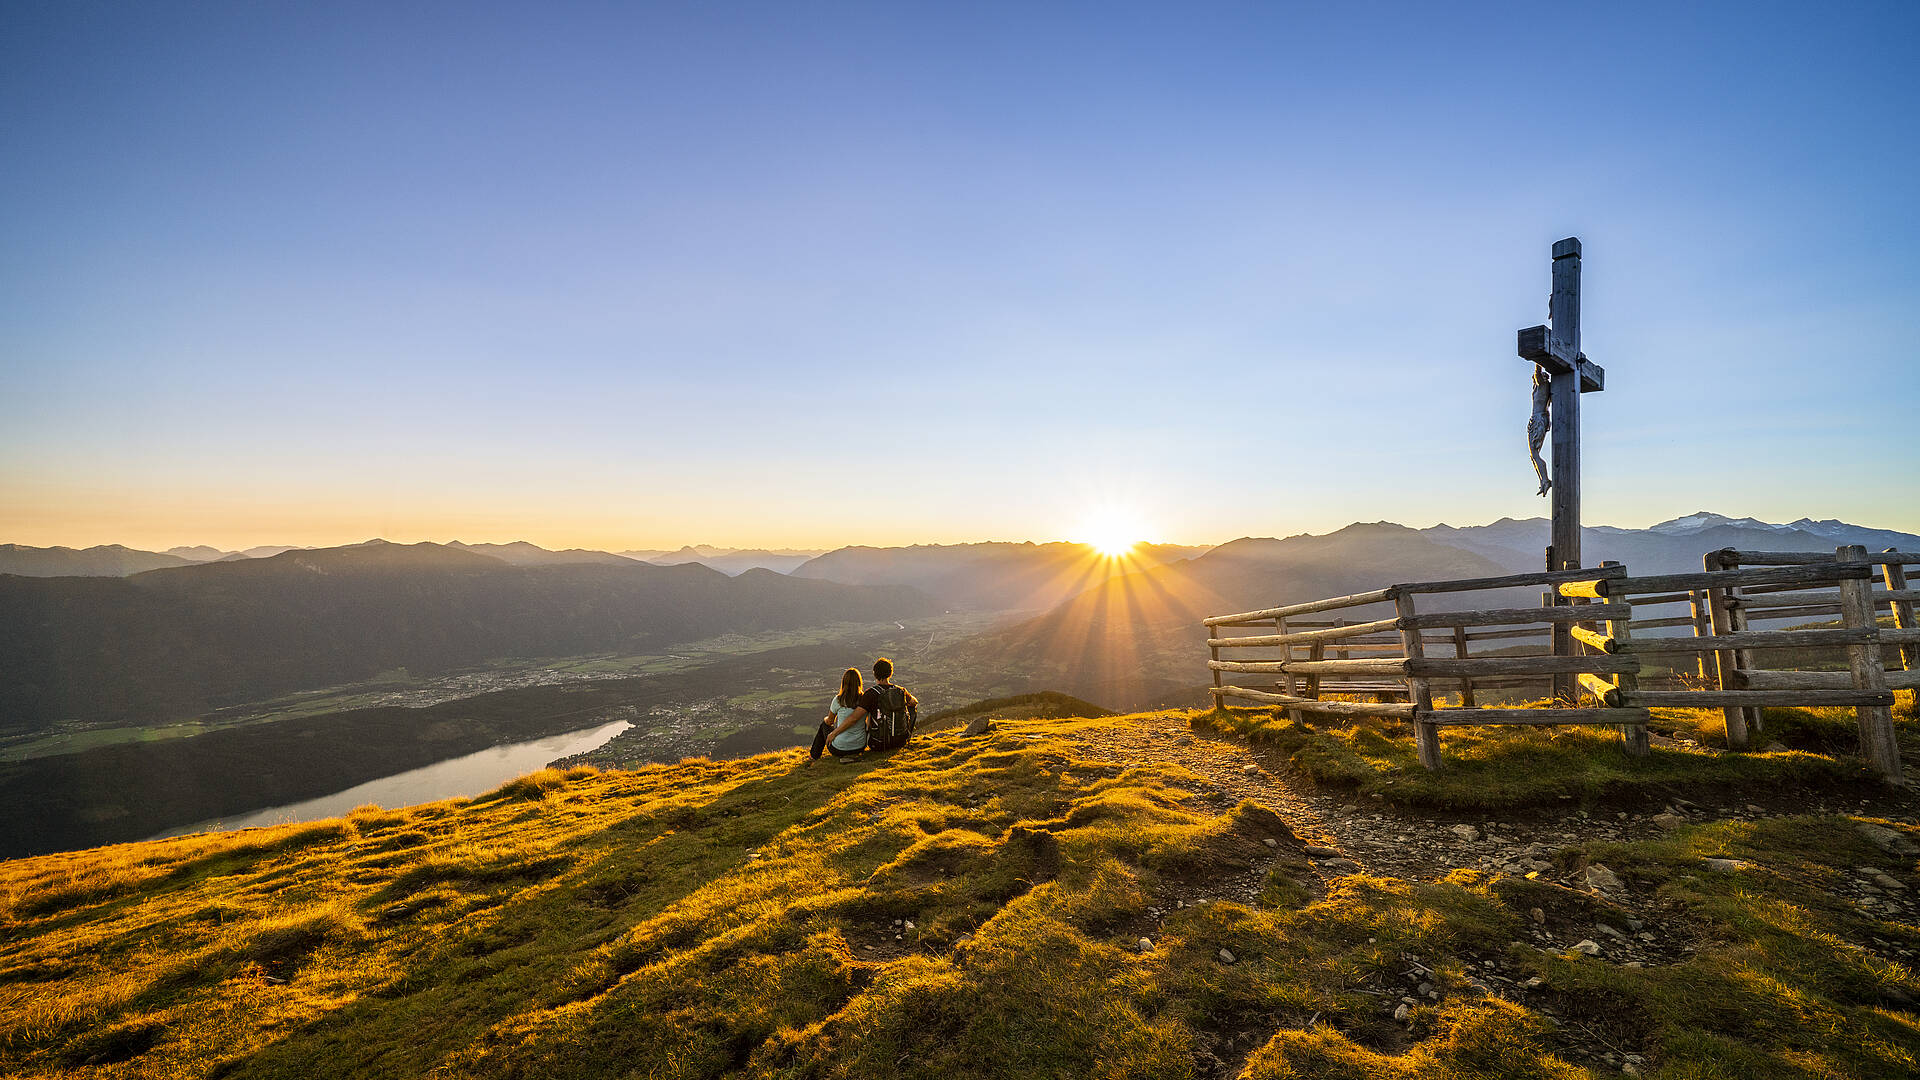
column 1251, row 770
column 1225, row 955
column 1609, row 931
column 1146, row 944
column 1537, row 915
column 908, row 923
column 1588, row 946
column 1669, row 820
column 1402, row 1011
column 1600, row 877
column 1341, row 864
column 1318, row 851
column 1727, row 866
column 1888, row 840
column 1425, row 989
column 1534, row 983
column 980, row 726
column 1271, row 842
column 1466, row 833
column 1630, row 1069
column 1752, row 809
column 1887, row 881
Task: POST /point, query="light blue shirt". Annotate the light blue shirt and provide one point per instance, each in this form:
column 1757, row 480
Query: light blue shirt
column 855, row 737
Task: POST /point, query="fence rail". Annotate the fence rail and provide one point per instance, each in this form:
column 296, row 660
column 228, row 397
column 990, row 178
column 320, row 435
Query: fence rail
column 1597, row 608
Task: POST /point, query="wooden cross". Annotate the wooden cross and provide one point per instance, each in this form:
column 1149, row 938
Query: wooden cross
column 1556, row 348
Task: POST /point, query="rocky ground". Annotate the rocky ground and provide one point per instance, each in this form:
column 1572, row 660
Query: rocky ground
column 1594, row 912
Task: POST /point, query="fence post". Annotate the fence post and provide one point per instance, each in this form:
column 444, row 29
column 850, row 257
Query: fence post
column 1720, row 621
column 1742, row 658
column 1286, row 677
column 1219, row 699
column 1460, row 650
column 1633, row 736
column 1895, row 576
column 1697, row 607
column 1877, row 743
column 1419, row 690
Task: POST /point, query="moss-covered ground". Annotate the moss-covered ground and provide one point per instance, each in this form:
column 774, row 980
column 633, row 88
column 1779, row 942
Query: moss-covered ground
column 964, row 907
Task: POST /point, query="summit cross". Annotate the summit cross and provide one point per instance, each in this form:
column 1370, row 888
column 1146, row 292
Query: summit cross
column 1556, row 349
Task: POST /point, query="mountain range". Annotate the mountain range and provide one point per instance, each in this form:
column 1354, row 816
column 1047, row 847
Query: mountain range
column 181, row 638
column 178, row 642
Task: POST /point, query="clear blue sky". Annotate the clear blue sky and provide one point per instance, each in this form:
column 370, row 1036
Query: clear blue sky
column 816, row 274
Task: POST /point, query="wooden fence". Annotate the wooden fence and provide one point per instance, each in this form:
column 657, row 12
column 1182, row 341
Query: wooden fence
column 1736, row 589
column 1304, row 680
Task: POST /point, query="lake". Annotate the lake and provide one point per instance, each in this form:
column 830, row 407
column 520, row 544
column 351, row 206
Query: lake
column 470, row 774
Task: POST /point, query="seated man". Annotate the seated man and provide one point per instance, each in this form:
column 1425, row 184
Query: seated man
column 891, row 711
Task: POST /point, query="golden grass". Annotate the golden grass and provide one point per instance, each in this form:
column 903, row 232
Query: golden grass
column 739, row 917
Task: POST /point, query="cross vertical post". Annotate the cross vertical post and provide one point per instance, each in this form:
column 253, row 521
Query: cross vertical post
column 1556, row 348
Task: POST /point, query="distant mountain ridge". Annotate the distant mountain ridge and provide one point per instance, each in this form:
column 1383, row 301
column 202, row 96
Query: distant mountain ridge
column 180, row 641
column 105, row 560
column 995, row 575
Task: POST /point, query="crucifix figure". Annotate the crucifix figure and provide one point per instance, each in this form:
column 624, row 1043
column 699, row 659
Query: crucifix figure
column 1555, row 351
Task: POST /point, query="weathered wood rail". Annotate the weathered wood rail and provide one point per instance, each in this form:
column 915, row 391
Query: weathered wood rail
column 1603, row 656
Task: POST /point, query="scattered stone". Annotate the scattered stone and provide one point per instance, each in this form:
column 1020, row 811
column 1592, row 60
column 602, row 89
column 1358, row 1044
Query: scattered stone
column 1146, row 944
column 1466, row 833
column 1226, row 956
column 1271, row 842
column 1251, row 770
column 1727, row 866
column 1752, row 809
column 1887, row 881
column 1318, row 851
column 1537, row 915
column 1588, row 946
column 1610, row 931
column 1888, row 840
column 908, row 923
column 1425, row 989
column 1341, row 864
column 1534, row 983
column 1669, row 820
column 1402, row 1011
column 1600, row 877
column 980, row 726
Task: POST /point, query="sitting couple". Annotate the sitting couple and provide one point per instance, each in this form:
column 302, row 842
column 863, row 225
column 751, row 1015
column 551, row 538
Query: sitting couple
column 881, row 717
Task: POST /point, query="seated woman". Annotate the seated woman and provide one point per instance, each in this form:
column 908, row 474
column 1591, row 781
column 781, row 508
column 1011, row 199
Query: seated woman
column 843, row 732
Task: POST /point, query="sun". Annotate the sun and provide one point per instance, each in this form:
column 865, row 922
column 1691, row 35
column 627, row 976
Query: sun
column 1113, row 534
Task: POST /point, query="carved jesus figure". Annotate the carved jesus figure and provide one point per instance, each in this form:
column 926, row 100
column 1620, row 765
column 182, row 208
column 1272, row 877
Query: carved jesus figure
column 1538, row 424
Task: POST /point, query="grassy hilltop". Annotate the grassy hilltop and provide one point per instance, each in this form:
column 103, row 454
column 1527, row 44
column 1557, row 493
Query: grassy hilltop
column 1112, row 897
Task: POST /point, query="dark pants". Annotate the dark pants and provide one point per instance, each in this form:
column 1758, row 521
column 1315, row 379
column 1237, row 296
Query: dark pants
column 820, row 743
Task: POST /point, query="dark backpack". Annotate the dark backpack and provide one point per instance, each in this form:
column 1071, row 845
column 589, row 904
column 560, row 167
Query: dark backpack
column 891, row 725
